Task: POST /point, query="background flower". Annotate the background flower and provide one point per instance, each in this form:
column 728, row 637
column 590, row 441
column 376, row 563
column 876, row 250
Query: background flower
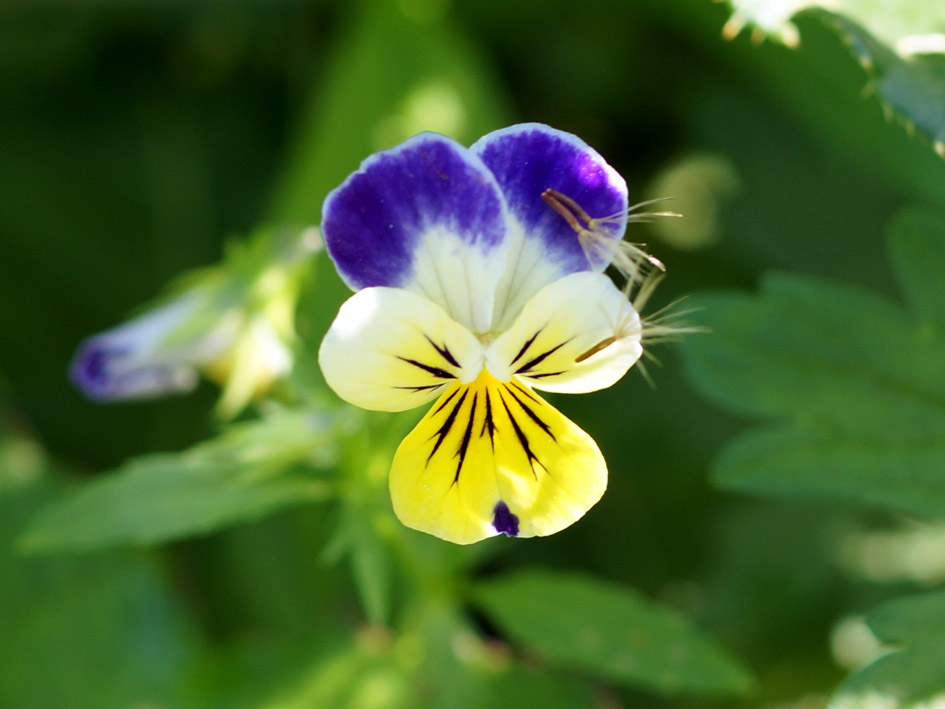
column 233, row 322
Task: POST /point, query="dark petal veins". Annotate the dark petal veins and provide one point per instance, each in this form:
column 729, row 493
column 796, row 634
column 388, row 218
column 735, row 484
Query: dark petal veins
column 532, row 415
column 447, row 401
column 521, row 352
column 467, row 435
column 535, row 361
column 523, row 391
column 444, row 352
column 425, row 387
column 522, row 438
column 435, row 371
column 488, row 423
column 444, row 430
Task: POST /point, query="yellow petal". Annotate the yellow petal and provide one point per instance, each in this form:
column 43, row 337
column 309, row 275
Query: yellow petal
column 576, row 335
column 391, row 350
column 492, row 457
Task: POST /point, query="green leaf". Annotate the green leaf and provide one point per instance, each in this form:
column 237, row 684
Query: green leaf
column 826, row 462
column 614, row 632
column 359, row 538
column 917, row 251
column 65, row 621
column 367, row 672
column 852, row 381
column 911, row 88
column 251, row 470
column 910, row 679
column 906, row 619
column 912, row 676
column 898, row 44
column 519, row 686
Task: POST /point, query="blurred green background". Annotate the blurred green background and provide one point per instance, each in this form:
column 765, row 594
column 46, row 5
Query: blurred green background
column 137, row 137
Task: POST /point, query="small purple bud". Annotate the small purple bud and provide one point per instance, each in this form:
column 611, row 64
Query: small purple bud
column 90, row 369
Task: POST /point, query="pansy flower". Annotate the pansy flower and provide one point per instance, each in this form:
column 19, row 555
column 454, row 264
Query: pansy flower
column 479, row 280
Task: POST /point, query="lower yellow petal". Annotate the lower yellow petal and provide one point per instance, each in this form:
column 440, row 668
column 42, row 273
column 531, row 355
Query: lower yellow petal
column 492, row 457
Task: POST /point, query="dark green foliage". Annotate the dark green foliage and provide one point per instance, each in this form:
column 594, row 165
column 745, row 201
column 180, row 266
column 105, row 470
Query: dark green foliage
column 258, row 563
column 852, row 380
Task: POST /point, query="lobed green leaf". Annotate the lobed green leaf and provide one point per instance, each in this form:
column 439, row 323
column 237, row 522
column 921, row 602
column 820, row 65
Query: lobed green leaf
column 852, row 381
column 584, row 623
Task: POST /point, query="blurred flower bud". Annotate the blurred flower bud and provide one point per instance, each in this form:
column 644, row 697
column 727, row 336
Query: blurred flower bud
column 233, row 322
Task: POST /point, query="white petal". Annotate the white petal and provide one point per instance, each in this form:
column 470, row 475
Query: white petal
column 391, row 350
column 576, row 335
column 527, row 270
column 460, row 278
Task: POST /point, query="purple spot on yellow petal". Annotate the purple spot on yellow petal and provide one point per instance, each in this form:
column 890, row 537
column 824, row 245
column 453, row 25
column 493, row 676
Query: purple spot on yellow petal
column 504, row 521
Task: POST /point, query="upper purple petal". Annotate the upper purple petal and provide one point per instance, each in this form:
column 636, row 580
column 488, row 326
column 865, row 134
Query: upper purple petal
column 529, row 158
column 375, row 221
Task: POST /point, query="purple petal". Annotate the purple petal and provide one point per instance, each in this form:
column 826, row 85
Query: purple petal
column 529, row 158
column 374, row 223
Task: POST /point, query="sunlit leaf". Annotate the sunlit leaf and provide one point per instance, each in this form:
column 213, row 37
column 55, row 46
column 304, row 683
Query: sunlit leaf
column 897, row 474
column 849, row 382
column 900, row 45
column 911, row 87
column 890, row 22
column 250, row 471
column 583, row 623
